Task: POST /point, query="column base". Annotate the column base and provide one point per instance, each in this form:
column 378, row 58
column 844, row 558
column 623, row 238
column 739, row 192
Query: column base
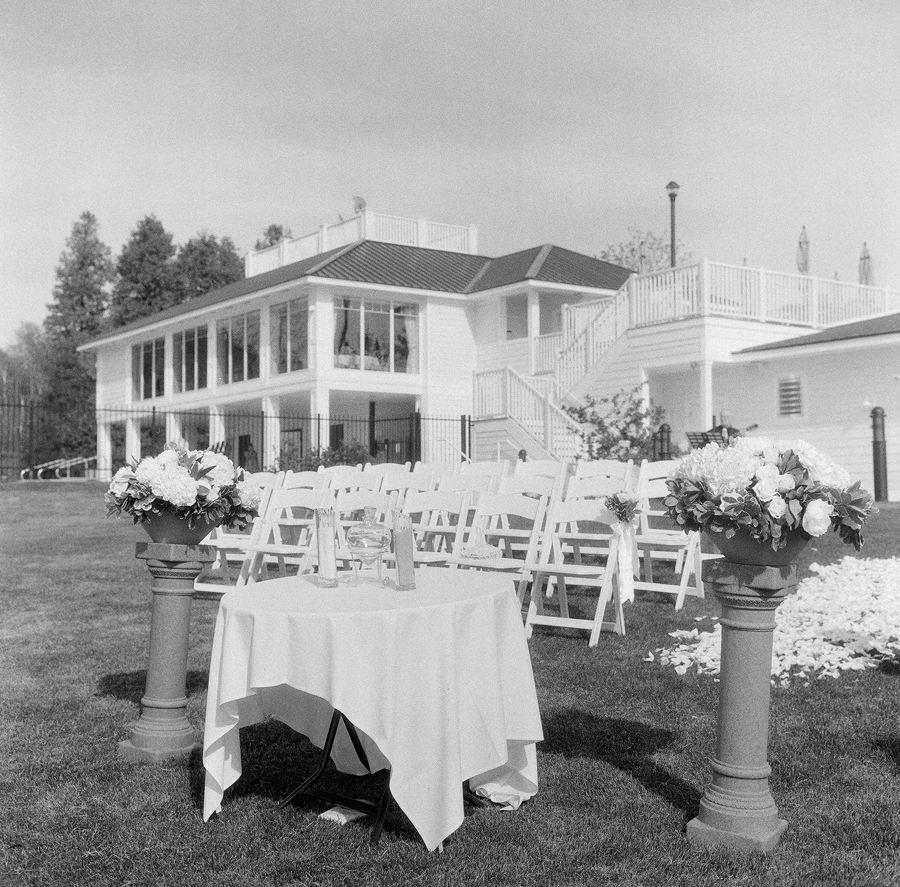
column 130, row 752
column 153, row 739
column 761, row 836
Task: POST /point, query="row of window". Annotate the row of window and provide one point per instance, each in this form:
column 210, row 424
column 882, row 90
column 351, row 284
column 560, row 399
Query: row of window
column 382, row 336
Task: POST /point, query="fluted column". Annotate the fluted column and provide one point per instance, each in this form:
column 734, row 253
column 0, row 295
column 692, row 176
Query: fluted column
column 737, row 809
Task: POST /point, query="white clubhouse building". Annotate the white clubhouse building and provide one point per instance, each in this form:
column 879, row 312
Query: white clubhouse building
column 388, row 317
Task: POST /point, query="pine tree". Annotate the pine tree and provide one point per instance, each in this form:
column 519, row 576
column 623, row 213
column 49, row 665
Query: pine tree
column 148, row 280
column 76, row 313
column 205, row 263
column 83, row 277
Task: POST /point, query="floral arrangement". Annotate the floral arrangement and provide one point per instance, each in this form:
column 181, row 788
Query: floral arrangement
column 198, row 485
column 772, row 490
column 625, row 506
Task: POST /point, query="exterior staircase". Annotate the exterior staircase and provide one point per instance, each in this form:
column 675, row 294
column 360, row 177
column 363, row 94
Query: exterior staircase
column 569, row 362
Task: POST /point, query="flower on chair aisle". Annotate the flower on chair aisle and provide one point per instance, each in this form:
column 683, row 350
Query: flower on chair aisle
column 197, row 485
column 770, row 489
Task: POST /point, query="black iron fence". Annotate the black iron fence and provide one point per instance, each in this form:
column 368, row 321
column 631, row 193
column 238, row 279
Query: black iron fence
column 254, row 440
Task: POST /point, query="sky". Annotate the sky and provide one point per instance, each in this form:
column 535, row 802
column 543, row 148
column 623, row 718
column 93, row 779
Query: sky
column 537, row 122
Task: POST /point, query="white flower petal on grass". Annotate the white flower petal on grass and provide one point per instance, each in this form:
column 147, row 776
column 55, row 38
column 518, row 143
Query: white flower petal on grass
column 845, row 617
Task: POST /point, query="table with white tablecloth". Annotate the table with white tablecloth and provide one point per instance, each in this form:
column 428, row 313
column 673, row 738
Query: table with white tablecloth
column 436, row 680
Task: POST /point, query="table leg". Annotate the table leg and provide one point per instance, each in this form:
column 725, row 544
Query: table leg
column 307, row 787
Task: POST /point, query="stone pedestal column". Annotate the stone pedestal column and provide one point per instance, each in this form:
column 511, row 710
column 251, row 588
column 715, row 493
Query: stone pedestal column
column 163, row 730
column 737, row 809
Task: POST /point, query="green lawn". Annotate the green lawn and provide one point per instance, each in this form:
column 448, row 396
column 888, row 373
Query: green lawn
column 622, row 767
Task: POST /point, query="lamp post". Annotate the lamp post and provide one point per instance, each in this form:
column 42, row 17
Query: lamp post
column 672, row 190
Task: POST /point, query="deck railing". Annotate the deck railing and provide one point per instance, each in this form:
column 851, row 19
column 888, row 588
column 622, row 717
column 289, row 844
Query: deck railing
column 365, row 225
column 714, row 288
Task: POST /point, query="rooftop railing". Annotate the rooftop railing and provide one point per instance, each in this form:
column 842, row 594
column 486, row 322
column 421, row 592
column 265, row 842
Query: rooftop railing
column 366, row 225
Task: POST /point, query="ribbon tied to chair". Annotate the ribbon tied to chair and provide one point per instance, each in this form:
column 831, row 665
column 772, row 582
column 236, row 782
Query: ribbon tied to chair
column 628, row 561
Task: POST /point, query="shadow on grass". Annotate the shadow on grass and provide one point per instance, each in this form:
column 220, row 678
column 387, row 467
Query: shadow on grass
column 276, row 759
column 130, row 685
column 890, row 747
column 627, row 745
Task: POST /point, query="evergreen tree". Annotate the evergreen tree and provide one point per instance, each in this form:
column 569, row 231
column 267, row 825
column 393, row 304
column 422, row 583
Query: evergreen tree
column 148, row 280
column 272, row 236
column 205, row 263
column 83, row 276
column 76, row 313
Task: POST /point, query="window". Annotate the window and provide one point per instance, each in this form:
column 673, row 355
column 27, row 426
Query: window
column 148, row 369
column 378, row 336
column 790, row 400
column 237, row 348
column 189, row 360
column 516, row 317
column 289, row 324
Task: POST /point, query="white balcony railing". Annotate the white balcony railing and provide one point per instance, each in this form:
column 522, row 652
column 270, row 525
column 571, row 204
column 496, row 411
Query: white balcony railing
column 366, row 225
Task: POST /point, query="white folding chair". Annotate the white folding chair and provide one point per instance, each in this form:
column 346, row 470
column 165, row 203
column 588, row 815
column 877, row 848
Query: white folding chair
column 504, row 535
column 485, row 468
column 287, row 537
column 399, row 486
column 349, row 479
column 439, row 469
column 438, row 520
column 386, row 468
column 609, row 474
column 230, row 547
column 568, row 525
column 310, row 480
column 657, row 540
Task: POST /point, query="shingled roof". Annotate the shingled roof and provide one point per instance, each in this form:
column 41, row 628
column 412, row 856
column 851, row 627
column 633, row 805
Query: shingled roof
column 857, row 329
column 413, row 267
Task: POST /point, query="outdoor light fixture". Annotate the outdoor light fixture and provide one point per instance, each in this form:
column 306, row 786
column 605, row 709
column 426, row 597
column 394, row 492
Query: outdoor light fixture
column 672, row 190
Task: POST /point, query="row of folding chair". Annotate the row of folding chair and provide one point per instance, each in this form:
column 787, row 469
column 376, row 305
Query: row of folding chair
column 445, row 509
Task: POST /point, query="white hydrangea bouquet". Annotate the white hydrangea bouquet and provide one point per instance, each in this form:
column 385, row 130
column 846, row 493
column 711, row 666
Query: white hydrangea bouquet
column 196, row 485
column 772, row 490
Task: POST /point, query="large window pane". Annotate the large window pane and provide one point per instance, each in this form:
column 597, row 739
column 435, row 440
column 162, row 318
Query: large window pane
column 201, row 357
column 237, row 349
column 347, row 328
column 299, row 333
column 190, row 359
column 147, row 387
column 136, row 374
column 222, row 351
column 178, row 368
column 377, row 339
column 406, row 339
column 159, row 367
column 252, row 344
column 278, row 338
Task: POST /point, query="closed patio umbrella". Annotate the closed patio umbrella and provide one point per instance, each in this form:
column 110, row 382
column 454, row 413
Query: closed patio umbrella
column 803, row 252
column 866, row 272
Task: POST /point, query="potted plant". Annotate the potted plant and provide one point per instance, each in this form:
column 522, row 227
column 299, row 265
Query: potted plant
column 180, row 495
column 761, row 501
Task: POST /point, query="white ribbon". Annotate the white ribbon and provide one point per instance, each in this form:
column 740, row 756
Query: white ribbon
column 627, row 561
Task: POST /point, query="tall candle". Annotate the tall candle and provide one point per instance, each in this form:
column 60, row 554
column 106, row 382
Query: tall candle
column 404, row 548
column 325, row 542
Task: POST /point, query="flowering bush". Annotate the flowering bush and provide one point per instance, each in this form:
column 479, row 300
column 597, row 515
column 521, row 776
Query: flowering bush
column 198, row 485
column 770, row 489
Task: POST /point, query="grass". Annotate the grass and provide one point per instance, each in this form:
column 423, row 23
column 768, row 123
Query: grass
column 622, row 767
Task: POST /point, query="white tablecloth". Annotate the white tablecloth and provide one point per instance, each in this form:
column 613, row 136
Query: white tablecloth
column 437, row 681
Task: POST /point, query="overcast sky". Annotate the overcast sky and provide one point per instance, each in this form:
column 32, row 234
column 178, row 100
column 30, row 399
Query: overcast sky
column 538, row 122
